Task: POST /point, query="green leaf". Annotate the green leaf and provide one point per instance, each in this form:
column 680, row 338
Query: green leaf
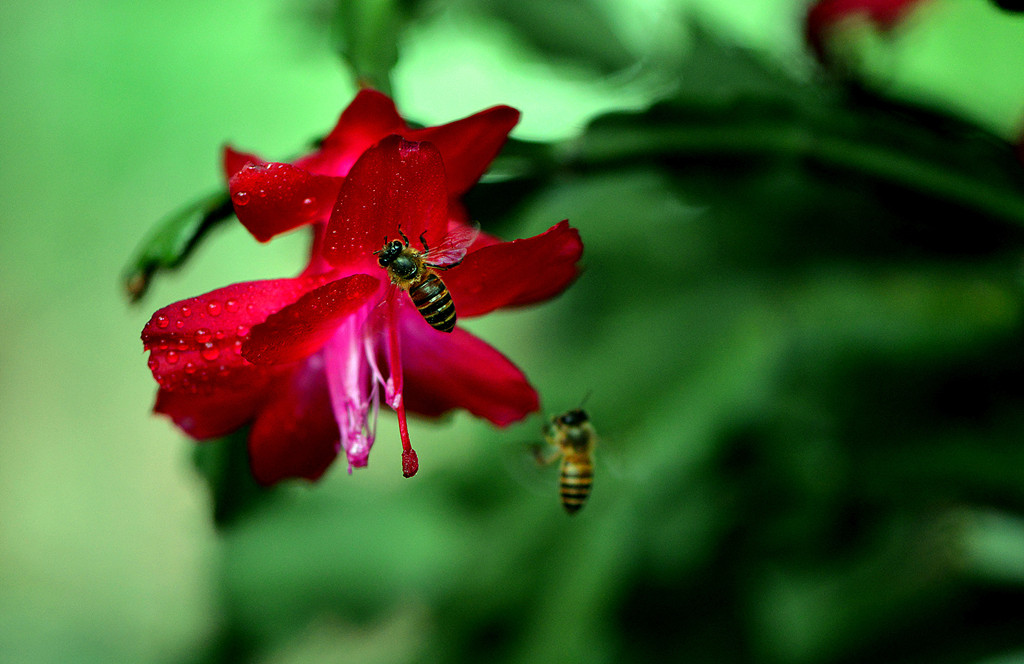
column 173, row 240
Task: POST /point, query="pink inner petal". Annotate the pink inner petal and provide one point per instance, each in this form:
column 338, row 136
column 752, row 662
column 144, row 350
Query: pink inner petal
column 351, row 364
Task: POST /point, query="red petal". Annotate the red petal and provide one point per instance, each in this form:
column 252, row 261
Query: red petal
column 295, row 434
column 458, row 370
column 825, row 15
column 516, row 273
column 370, row 117
column 195, row 344
column 233, row 161
column 208, row 414
column 274, row 198
column 302, row 328
column 396, row 184
column 469, row 145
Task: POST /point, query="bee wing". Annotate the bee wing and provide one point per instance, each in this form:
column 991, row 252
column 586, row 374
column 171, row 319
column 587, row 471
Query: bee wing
column 532, row 465
column 453, row 247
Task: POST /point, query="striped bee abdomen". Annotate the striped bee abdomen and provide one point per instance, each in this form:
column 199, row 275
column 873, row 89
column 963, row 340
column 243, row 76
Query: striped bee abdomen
column 434, row 302
column 577, row 478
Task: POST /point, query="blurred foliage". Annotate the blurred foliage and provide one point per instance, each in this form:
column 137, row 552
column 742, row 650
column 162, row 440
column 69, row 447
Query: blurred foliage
column 800, row 321
column 173, row 241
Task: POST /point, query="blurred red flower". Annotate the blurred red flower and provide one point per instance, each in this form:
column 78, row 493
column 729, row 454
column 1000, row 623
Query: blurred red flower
column 825, row 16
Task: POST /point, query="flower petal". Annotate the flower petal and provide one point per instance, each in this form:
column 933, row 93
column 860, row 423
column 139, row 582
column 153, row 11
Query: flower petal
column 516, row 273
column 370, row 117
column 233, row 161
column 825, row 16
column 195, row 344
column 219, row 410
column 295, row 434
column 458, row 370
column 469, row 145
column 302, row 328
column 274, row 198
column 395, row 185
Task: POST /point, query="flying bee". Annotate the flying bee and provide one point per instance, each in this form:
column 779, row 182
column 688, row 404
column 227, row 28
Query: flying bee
column 573, row 437
column 415, row 272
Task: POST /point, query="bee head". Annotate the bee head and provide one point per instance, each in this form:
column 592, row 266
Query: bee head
column 573, row 418
column 389, row 252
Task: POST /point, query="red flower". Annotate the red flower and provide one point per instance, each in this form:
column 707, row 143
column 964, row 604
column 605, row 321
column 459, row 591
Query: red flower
column 272, row 198
column 305, row 360
column 825, row 16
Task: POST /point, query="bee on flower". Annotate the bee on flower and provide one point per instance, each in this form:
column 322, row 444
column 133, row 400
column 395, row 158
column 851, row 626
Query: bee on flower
column 307, row 361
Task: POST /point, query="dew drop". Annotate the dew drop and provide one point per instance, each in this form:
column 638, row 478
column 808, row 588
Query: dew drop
column 240, row 198
column 219, row 336
column 182, row 346
column 152, row 364
column 186, row 311
column 231, row 306
column 202, row 335
column 172, row 357
column 238, row 348
column 161, row 321
column 242, row 331
column 213, row 308
column 263, row 193
column 190, row 368
column 179, row 324
column 308, row 202
column 209, row 352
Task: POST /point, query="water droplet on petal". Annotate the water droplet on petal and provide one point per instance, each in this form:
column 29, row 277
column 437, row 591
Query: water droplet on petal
column 152, row 364
column 190, row 368
column 219, row 336
column 202, row 335
column 209, row 352
column 240, row 198
column 242, row 331
column 238, row 348
column 186, row 311
column 263, row 193
column 172, row 357
column 161, row 321
column 179, row 324
column 213, row 308
column 231, row 306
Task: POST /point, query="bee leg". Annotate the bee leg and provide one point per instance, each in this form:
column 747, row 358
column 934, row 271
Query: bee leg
column 541, row 458
column 404, row 239
column 423, row 241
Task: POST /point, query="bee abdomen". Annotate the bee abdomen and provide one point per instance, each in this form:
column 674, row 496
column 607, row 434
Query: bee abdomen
column 576, row 482
column 434, row 302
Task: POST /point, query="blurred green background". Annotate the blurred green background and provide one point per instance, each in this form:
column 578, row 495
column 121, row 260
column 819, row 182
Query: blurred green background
column 799, row 324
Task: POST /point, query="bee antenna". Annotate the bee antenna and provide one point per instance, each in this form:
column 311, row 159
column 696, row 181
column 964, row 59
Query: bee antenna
column 583, row 401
